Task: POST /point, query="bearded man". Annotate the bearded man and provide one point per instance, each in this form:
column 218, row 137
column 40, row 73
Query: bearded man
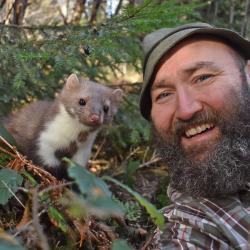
column 196, row 96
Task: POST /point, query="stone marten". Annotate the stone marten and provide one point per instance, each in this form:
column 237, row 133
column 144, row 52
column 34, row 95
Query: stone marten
column 46, row 131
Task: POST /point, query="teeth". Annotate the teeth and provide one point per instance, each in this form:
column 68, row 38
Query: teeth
column 198, row 129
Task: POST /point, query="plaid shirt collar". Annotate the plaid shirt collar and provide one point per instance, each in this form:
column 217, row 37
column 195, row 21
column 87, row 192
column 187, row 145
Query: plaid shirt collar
column 207, row 223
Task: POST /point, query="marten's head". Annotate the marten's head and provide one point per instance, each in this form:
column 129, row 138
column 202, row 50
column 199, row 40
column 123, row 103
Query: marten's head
column 91, row 103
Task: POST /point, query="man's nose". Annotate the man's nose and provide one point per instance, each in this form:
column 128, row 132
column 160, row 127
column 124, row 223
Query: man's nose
column 187, row 104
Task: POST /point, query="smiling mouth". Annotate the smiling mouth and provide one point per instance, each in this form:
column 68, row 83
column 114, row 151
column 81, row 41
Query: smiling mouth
column 191, row 132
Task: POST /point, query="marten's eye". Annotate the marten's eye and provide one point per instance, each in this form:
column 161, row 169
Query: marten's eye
column 82, row 102
column 106, row 109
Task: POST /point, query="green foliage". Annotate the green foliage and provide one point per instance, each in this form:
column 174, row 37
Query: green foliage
column 29, row 177
column 120, row 245
column 162, row 199
column 10, row 180
column 87, row 182
column 58, row 218
column 129, row 128
column 8, row 243
column 130, row 168
column 6, row 135
column 4, row 158
column 96, row 195
column 133, row 211
column 155, row 215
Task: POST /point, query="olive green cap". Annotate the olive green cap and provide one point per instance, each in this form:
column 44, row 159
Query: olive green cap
column 159, row 42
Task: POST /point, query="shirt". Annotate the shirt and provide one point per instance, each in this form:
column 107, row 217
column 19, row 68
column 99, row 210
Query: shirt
column 206, row 223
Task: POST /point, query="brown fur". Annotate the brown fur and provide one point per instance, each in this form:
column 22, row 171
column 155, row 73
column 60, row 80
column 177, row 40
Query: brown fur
column 67, row 152
column 25, row 124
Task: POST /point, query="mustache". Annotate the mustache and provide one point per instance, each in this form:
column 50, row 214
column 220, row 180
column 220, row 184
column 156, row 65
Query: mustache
column 206, row 116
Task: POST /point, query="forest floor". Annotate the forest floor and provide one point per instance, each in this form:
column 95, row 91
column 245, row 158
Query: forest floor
column 28, row 214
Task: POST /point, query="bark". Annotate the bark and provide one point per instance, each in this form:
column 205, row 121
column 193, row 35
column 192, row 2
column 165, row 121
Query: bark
column 79, row 9
column 216, row 8
column 19, row 8
column 232, row 13
column 95, row 8
column 66, row 15
column 118, row 7
column 246, row 19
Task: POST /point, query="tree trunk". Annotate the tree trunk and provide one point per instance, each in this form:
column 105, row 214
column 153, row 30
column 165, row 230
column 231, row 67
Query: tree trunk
column 19, row 8
column 95, row 8
column 216, row 8
column 245, row 20
column 232, row 13
column 79, row 9
column 118, row 7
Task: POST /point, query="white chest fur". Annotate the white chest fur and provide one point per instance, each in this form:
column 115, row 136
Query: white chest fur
column 58, row 134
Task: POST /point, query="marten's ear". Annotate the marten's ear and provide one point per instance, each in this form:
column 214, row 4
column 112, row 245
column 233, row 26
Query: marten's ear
column 117, row 95
column 72, row 82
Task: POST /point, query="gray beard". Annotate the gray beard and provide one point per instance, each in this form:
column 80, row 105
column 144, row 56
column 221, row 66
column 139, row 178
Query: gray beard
column 225, row 169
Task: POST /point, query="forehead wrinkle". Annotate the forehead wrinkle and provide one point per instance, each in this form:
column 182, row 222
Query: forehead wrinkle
column 200, row 65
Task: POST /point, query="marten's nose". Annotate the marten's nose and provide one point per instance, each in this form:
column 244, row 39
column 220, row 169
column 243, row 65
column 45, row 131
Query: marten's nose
column 95, row 119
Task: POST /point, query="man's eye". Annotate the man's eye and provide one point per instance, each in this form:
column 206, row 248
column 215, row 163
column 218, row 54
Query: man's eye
column 203, row 78
column 162, row 95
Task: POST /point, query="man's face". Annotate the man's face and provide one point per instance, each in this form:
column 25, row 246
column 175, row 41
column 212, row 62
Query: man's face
column 197, row 95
